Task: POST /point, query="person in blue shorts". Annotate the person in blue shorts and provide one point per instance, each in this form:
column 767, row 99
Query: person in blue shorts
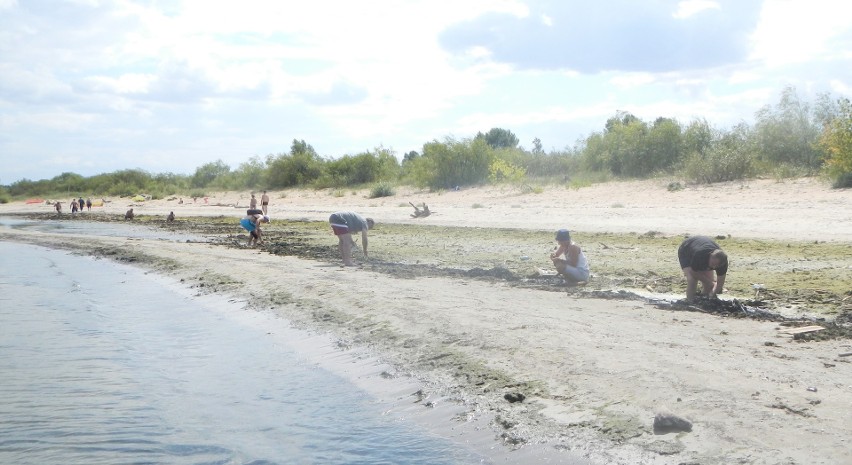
column 344, row 224
column 251, row 223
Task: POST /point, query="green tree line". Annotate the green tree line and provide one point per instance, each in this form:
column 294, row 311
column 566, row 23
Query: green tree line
column 788, row 139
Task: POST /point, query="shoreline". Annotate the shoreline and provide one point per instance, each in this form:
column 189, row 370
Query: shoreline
column 593, row 372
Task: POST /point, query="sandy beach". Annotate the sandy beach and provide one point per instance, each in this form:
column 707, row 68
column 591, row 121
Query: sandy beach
column 557, row 373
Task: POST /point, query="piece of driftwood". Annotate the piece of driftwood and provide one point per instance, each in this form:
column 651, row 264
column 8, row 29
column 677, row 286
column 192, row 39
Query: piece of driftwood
column 801, row 330
column 420, row 213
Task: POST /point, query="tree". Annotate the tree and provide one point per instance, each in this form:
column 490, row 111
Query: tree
column 453, row 163
column 205, row 174
column 301, row 166
column 410, row 156
column 836, row 141
column 250, row 174
column 499, row 138
column 787, row 133
column 537, row 147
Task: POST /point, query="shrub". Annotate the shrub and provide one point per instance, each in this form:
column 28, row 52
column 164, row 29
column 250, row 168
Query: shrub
column 720, row 164
column 728, row 158
column 382, row 189
column 836, row 141
column 503, row 171
column 452, row 163
column 844, row 181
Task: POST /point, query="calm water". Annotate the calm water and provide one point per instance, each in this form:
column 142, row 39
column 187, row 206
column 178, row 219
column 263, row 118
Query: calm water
column 103, row 364
column 79, row 225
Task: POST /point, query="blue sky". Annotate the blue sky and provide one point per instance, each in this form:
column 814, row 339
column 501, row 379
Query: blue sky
column 95, row 86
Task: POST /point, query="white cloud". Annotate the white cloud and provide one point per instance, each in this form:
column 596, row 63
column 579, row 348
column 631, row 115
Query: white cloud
column 629, row 80
column 174, row 82
column 689, row 8
column 796, row 31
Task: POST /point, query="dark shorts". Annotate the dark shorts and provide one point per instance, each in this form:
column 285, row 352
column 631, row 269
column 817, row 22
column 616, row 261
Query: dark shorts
column 265, row 203
column 338, row 225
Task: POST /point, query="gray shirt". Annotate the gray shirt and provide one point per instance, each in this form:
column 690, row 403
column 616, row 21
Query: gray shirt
column 352, row 220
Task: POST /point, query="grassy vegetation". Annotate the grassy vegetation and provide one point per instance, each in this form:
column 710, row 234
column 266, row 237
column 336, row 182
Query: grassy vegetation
column 789, row 139
column 813, row 275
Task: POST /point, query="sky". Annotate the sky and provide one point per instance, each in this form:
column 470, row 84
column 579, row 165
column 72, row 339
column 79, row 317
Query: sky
column 97, row 86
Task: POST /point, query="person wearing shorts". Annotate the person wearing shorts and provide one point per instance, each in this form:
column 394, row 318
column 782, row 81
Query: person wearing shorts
column 344, row 224
column 264, row 203
column 251, row 223
column 699, row 257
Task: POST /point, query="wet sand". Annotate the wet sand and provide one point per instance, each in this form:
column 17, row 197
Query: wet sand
column 592, row 372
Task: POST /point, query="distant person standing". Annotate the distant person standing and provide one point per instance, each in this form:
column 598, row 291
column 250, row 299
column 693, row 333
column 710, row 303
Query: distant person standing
column 699, row 257
column 89, row 204
column 171, row 217
column 253, row 202
column 82, row 204
column 344, row 224
column 264, row 203
column 129, row 215
column 73, row 206
column 58, row 207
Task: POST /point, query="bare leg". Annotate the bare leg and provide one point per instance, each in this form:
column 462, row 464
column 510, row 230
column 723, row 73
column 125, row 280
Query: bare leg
column 345, row 246
column 691, row 283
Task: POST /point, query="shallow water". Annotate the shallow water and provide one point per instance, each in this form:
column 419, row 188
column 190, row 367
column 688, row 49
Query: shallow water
column 102, row 363
column 94, row 228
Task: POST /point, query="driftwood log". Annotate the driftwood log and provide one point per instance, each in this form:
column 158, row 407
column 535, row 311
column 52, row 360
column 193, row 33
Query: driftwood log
column 420, row 213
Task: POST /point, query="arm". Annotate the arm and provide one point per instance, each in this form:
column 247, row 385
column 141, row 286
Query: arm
column 720, row 285
column 364, row 242
column 559, row 251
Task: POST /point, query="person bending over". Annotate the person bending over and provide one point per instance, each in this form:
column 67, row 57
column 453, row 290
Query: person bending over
column 344, row 224
column 699, row 258
column 251, row 223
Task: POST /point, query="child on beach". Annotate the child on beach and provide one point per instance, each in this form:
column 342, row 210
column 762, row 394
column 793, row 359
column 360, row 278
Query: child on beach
column 569, row 259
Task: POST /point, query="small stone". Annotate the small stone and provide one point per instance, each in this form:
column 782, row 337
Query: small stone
column 665, row 422
column 513, row 397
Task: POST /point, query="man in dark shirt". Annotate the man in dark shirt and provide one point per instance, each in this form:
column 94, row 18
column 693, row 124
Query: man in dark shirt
column 699, row 257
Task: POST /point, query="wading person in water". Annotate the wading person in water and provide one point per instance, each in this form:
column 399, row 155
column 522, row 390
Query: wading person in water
column 699, row 258
column 344, row 224
column 569, row 259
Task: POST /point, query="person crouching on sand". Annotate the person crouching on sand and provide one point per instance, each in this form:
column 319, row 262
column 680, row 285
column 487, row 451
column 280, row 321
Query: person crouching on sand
column 344, row 224
column 569, row 259
column 251, row 223
column 699, row 257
